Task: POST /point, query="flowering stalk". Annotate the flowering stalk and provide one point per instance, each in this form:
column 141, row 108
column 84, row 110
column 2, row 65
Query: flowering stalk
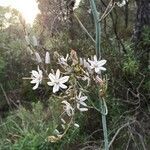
column 97, row 27
column 103, row 105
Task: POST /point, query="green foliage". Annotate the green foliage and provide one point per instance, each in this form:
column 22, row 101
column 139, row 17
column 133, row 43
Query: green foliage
column 130, row 64
column 29, row 128
column 2, row 64
column 25, row 129
column 146, row 35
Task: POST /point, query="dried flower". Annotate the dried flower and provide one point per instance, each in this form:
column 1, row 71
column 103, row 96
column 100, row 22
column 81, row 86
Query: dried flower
column 74, row 57
column 68, row 108
column 99, row 80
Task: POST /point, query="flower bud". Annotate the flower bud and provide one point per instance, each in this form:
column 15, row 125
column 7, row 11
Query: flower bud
column 38, row 57
column 63, row 121
column 47, row 58
column 29, row 50
column 27, row 40
column 76, row 125
column 34, row 41
column 80, row 61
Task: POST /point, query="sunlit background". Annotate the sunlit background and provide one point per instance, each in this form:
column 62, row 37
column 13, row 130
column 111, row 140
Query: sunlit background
column 28, row 8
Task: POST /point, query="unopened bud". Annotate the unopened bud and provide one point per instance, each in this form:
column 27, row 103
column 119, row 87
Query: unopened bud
column 76, row 125
column 34, row 41
column 29, row 50
column 63, row 121
column 47, row 58
column 27, row 40
column 38, row 57
column 81, row 61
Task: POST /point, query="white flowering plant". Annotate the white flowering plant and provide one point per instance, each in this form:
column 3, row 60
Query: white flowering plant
column 69, row 81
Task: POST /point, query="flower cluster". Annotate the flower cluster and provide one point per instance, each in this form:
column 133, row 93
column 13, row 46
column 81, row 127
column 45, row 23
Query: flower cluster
column 68, row 79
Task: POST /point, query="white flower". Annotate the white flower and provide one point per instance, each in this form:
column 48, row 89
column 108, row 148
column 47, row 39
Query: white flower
column 63, row 60
column 80, row 101
column 68, row 108
column 76, row 5
column 36, row 78
column 97, row 65
column 47, row 58
column 121, row 4
column 57, row 82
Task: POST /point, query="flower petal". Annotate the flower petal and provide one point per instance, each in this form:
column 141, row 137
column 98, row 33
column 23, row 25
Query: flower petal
column 83, row 98
column 36, row 86
column 55, row 88
column 62, row 86
column 64, row 79
column 57, row 74
column 102, row 68
column 34, row 73
column 78, row 105
column 50, row 83
column 79, row 94
column 101, row 62
column 51, row 77
column 34, row 81
column 83, row 109
column 83, row 103
column 97, row 69
column 95, row 58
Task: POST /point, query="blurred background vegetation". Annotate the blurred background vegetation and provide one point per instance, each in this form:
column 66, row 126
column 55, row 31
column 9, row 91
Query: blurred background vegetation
column 27, row 117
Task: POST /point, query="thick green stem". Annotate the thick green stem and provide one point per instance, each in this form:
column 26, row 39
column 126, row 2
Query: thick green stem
column 97, row 28
column 104, row 123
column 103, row 105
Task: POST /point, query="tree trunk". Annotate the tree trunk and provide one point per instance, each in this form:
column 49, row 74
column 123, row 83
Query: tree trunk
column 142, row 19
